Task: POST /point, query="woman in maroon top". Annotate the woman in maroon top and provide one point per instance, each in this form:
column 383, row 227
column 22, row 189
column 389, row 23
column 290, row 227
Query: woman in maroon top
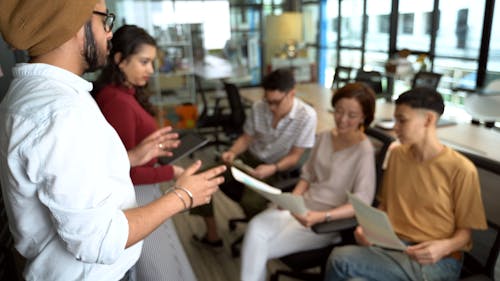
column 124, row 102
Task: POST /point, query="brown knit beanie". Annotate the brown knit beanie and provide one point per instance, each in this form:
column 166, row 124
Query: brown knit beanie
column 40, row 26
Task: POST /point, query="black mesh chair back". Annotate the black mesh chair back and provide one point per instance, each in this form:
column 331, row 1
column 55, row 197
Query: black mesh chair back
column 482, row 262
column 426, row 79
column 237, row 115
column 370, row 78
column 341, row 76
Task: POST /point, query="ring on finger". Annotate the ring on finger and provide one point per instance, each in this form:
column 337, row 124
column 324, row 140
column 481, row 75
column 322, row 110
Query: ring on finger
column 160, row 145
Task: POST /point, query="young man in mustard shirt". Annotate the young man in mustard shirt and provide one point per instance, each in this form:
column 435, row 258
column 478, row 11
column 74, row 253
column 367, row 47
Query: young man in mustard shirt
column 432, row 197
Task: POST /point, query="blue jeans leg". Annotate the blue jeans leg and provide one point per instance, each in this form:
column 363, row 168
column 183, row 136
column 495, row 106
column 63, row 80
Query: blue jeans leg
column 373, row 263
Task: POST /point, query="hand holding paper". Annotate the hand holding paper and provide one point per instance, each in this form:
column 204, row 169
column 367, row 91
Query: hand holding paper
column 376, row 226
column 288, row 201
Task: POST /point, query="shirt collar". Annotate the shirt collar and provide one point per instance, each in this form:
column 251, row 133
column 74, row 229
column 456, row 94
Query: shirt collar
column 52, row 73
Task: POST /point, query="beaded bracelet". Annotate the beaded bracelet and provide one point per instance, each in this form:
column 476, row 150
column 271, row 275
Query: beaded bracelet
column 188, row 193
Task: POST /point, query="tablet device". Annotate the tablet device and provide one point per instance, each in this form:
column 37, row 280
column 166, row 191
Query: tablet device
column 190, row 142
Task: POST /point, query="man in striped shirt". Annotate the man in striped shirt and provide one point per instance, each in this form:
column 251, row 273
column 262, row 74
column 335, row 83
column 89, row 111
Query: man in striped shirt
column 275, row 136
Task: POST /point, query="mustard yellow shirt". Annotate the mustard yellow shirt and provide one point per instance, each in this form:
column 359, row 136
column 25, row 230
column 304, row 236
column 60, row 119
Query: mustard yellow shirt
column 429, row 200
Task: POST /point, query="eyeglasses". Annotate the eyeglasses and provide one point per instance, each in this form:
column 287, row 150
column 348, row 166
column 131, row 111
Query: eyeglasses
column 109, row 19
column 275, row 102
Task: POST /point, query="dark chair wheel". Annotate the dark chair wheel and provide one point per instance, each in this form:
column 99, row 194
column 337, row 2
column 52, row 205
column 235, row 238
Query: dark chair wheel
column 232, row 225
column 235, row 251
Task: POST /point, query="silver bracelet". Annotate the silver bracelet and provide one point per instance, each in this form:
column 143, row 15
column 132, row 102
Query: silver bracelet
column 188, row 193
column 180, row 197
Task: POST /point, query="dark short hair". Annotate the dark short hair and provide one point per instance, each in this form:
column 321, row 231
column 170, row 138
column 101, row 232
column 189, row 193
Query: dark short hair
column 363, row 94
column 281, row 79
column 422, row 98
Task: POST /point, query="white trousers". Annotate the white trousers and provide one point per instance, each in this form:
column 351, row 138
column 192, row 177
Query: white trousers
column 272, row 234
column 162, row 256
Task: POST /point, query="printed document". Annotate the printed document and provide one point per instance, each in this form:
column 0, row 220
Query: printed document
column 376, row 225
column 238, row 163
column 285, row 200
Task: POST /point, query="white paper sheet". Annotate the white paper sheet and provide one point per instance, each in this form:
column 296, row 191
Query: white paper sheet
column 238, row 163
column 376, row 225
column 285, row 200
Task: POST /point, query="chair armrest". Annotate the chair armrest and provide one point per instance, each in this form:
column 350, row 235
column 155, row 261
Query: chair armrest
column 335, row 226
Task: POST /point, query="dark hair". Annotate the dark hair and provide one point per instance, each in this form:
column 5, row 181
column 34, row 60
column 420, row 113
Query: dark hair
column 281, row 79
column 422, row 98
column 126, row 40
column 363, row 94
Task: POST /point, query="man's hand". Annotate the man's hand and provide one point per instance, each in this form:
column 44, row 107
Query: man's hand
column 228, row 156
column 429, row 252
column 310, row 218
column 360, row 237
column 264, row 171
column 201, row 185
column 157, row 144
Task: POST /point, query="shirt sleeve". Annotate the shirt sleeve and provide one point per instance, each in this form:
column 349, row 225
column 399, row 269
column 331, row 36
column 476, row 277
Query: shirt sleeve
column 308, row 129
column 249, row 126
column 365, row 181
column 469, row 210
column 84, row 184
column 123, row 119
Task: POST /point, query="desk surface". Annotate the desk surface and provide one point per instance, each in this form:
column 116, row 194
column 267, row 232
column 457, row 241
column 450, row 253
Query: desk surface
column 463, row 136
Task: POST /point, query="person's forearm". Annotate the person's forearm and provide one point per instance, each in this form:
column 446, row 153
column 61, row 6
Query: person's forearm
column 241, row 144
column 290, row 160
column 301, row 187
column 459, row 240
column 287, row 162
column 144, row 220
column 342, row 212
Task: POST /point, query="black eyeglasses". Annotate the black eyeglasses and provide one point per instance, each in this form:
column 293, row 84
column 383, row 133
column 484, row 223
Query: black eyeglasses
column 109, row 19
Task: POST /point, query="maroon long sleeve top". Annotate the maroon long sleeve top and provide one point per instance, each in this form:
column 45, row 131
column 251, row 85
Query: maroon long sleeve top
column 133, row 124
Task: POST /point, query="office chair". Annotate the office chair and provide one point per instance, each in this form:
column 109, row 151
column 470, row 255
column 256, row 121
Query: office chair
column 10, row 260
column 341, row 77
column 301, row 261
column 483, row 263
column 227, row 120
column 426, row 79
column 374, row 80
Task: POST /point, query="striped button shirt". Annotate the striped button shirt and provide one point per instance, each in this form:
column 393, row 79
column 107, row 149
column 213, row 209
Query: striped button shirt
column 297, row 128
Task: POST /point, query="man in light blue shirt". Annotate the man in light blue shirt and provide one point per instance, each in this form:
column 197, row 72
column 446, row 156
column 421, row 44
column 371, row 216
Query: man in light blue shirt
column 65, row 172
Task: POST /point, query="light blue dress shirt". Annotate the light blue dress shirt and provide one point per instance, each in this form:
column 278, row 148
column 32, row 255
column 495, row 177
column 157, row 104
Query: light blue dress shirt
column 65, row 178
